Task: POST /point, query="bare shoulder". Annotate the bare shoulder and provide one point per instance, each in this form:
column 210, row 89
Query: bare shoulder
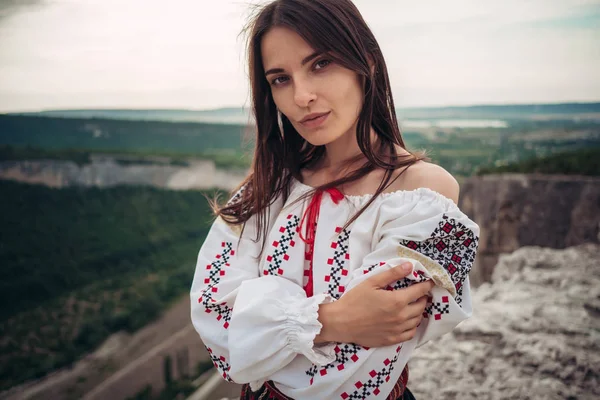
column 428, row 175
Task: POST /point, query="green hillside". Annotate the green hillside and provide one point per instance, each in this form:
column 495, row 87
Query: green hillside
column 462, row 150
column 580, row 162
column 120, row 135
column 79, row 264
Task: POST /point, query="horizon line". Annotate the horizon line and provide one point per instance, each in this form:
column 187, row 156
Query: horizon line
column 246, row 108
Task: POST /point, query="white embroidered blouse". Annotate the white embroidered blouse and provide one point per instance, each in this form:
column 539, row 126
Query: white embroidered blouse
column 258, row 324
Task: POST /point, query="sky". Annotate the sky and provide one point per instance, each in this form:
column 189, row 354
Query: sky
column 77, row 54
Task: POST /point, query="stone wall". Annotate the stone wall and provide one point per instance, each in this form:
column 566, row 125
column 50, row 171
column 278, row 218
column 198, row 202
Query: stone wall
column 516, row 210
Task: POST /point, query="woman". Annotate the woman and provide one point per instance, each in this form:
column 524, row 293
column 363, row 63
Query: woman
column 287, row 294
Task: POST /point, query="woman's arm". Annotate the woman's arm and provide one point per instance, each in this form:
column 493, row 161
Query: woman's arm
column 231, row 304
column 440, row 243
column 353, row 319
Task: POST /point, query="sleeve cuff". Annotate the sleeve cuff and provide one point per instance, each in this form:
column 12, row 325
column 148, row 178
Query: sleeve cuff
column 302, row 326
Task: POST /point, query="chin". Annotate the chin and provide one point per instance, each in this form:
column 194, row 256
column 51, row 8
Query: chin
column 318, row 138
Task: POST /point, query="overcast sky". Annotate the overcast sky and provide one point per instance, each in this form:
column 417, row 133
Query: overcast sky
column 187, row 54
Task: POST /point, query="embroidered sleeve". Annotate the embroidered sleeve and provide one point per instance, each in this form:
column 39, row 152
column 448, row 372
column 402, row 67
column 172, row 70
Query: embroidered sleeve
column 440, row 242
column 441, row 249
column 251, row 326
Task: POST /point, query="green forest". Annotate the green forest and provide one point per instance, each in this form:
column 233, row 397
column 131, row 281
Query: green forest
column 580, row 162
column 81, row 263
column 223, row 158
column 119, row 135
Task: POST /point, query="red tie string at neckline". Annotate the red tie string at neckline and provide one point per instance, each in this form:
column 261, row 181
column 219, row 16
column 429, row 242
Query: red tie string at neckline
column 312, row 212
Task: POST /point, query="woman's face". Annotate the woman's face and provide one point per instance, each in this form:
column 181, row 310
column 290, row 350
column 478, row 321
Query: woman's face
column 304, row 83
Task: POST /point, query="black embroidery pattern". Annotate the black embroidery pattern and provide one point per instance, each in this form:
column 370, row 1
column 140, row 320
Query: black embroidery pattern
column 221, row 364
column 278, row 255
column 377, row 378
column 216, row 270
column 418, row 276
column 437, row 309
column 339, row 263
column 372, row 267
column 453, row 246
column 344, row 354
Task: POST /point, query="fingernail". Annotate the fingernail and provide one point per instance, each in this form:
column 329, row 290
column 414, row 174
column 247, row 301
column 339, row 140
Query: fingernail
column 406, row 266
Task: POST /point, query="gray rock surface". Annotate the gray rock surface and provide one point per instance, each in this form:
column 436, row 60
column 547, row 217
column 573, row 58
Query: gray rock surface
column 516, row 210
column 106, row 171
column 534, row 334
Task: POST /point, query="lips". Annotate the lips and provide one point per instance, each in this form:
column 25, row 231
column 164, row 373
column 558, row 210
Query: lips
column 313, row 116
column 315, row 120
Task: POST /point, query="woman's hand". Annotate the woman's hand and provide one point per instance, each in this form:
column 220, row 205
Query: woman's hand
column 371, row 316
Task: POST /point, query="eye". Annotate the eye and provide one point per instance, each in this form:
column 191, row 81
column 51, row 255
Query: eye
column 322, row 63
column 276, row 82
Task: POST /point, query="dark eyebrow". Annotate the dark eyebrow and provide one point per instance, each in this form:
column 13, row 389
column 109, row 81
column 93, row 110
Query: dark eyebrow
column 304, row 61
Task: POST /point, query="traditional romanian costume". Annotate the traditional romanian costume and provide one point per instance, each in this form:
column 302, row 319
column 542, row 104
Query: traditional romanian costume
column 258, row 316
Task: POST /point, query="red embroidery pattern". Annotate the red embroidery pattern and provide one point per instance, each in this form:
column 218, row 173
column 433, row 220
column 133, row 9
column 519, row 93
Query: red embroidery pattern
column 418, row 276
column 221, row 364
column 339, row 263
column 372, row 267
column 278, row 255
column 344, row 354
column 216, row 270
column 372, row 384
column 268, row 391
column 453, row 246
column 437, row 309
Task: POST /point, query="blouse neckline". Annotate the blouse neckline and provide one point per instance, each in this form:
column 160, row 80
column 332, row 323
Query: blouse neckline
column 403, row 193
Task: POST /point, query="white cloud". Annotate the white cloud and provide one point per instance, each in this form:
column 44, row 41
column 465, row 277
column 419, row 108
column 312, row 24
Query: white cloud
column 399, row 13
column 186, row 53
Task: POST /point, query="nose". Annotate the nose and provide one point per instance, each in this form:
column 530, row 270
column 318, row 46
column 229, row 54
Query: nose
column 303, row 94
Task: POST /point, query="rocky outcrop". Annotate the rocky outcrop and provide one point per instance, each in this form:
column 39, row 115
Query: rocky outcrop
column 534, row 334
column 106, row 172
column 515, row 210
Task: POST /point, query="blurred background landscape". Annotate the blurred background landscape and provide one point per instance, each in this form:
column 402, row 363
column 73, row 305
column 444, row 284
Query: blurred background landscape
column 113, row 133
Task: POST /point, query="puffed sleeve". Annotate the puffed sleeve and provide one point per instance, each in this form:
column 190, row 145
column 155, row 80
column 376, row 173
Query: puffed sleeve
column 250, row 325
column 440, row 241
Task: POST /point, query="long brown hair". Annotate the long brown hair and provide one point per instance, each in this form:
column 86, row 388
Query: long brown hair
column 334, row 27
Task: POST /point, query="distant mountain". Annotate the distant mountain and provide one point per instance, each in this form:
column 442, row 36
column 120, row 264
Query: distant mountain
column 231, row 115
column 242, row 116
column 516, row 111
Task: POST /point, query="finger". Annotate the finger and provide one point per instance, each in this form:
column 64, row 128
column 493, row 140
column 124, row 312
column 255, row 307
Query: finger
column 415, row 309
column 414, row 292
column 410, row 324
column 408, row 335
column 391, row 275
column 402, row 337
column 422, row 299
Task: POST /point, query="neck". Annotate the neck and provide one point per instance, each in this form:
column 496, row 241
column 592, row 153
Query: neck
column 340, row 151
